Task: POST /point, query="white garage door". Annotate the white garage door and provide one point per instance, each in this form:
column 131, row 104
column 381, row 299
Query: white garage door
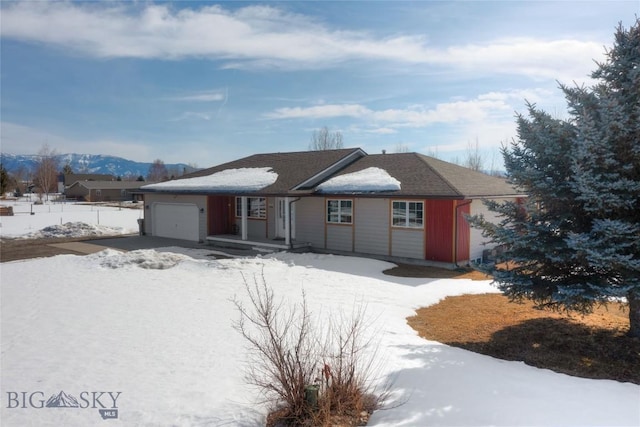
column 176, row 221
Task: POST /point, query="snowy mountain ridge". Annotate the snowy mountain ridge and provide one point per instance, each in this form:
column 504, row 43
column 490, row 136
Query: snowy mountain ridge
column 90, row 163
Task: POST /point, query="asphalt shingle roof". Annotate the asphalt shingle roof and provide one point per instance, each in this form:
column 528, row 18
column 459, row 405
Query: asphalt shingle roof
column 423, row 176
column 110, row 185
column 293, row 168
column 419, row 175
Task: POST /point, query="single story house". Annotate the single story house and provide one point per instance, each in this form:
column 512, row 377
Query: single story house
column 70, row 178
column 65, row 180
column 105, row 191
column 392, row 206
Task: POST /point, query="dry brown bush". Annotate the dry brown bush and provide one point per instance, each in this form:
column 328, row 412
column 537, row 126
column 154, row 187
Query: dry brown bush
column 309, row 375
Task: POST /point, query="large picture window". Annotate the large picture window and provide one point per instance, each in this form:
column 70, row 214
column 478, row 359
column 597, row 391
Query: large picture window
column 339, row 211
column 408, row 214
column 256, row 207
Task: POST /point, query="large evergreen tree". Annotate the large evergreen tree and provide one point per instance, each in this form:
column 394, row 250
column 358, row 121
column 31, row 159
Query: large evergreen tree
column 4, row 180
column 575, row 241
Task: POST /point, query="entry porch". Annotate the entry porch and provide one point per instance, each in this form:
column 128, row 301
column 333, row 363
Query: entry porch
column 234, row 240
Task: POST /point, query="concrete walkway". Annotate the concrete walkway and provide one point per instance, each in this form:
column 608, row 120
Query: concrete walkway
column 132, row 243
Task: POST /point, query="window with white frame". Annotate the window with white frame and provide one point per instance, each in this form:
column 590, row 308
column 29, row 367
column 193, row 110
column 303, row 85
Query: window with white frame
column 256, row 207
column 340, row 211
column 408, row 214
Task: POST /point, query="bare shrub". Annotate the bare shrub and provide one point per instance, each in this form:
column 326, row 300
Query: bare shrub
column 308, row 374
column 281, row 348
column 349, row 359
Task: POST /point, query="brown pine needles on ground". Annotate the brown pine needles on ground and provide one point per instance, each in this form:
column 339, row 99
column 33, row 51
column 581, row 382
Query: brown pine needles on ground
column 590, row 346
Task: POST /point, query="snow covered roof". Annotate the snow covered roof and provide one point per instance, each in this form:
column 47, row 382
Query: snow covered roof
column 242, row 180
column 340, row 172
column 423, row 176
column 368, row 180
column 296, row 172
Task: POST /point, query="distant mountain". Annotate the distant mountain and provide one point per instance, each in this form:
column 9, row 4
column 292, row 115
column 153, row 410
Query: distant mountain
column 91, row 163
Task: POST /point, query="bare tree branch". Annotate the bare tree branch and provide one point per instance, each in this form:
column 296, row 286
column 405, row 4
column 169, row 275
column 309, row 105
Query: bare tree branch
column 324, row 139
column 46, row 171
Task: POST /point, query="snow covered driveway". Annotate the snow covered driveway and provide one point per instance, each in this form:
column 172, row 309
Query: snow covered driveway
column 148, row 335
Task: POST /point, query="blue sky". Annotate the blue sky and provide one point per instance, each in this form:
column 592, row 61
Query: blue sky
column 208, row 82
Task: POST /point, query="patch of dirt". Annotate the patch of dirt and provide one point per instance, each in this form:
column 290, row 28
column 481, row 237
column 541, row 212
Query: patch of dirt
column 17, row 249
column 410, row 270
column 591, row 346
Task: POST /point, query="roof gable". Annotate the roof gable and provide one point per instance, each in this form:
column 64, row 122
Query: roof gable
column 71, row 178
column 468, row 182
column 423, row 176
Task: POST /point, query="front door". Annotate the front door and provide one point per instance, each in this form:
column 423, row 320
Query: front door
column 220, row 215
column 281, row 218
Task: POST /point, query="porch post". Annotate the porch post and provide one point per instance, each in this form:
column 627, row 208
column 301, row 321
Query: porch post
column 287, row 222
column 244, row 218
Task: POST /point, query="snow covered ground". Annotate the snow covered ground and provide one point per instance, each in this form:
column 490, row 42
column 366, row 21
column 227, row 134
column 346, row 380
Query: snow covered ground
column 147, row 337
column 97, row 219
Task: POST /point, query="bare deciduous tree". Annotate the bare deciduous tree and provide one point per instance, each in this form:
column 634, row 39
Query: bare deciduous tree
column 433, row 152
column 493, row 170
column 401, row 148
column 324, row 139
column 21, row 176
column 474, row 160
column 157, row 171
column 45, row 175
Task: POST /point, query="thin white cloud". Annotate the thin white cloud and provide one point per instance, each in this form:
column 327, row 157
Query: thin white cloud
column 205, row 96
column 474, row 110
column 192, row 115
column 565, row 60
column 321, row 112
column 270, row 37
column 382, row 131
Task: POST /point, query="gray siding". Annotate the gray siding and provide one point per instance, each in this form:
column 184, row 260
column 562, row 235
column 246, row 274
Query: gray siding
column 271, row 218
column 340, row 237
column 199, row 201
column 256, row 228
column 372, row 226
column 477, row 243
column 310, row 221
column 407, row 243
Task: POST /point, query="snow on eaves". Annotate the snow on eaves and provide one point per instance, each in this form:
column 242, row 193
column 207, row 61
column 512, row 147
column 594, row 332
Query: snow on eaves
column 232, row 180
column 368, row 180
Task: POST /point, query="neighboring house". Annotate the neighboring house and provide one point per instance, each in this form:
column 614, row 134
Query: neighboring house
column 392, row 206
column 105, row 191
column 71, row 178
column 65, row 180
